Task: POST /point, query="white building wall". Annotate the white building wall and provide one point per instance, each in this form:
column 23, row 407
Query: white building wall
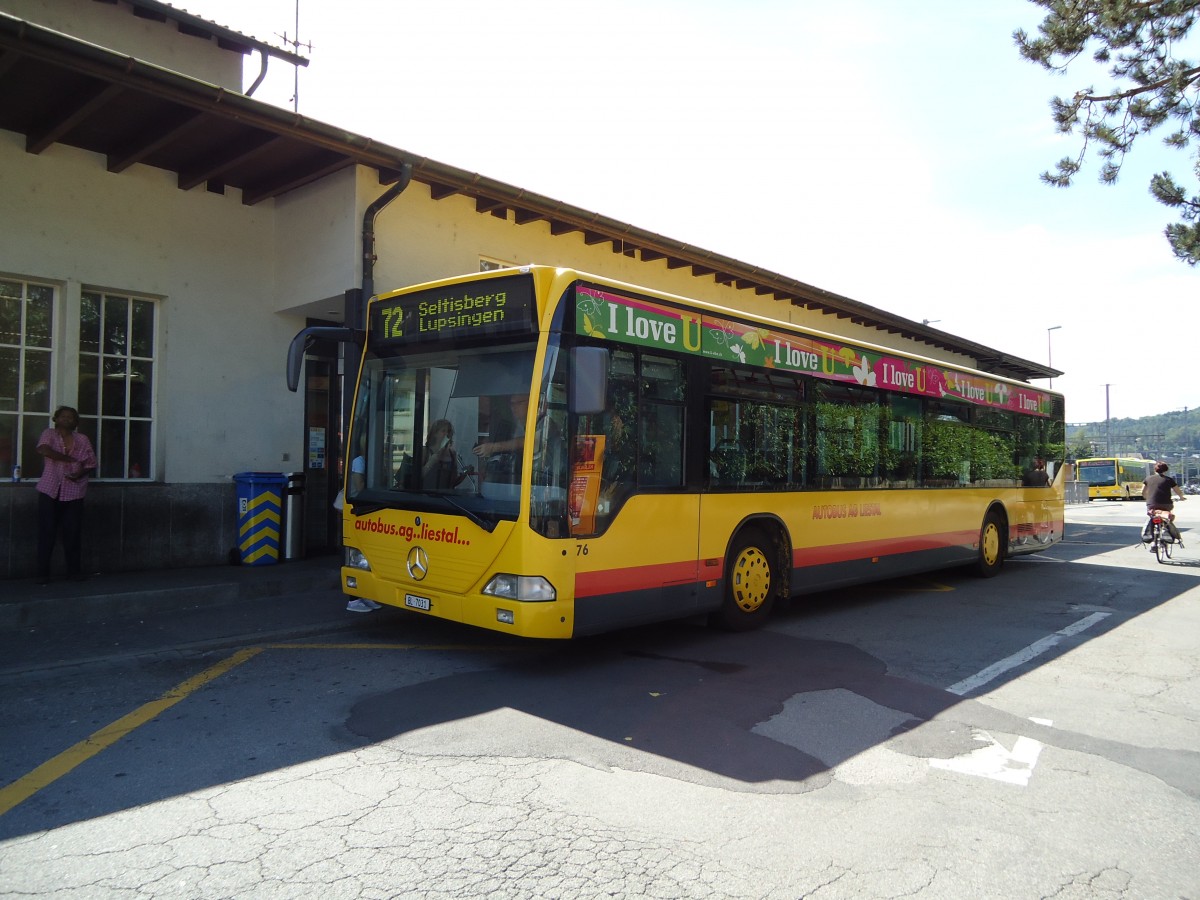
column 222, row 405
column 421, row 239
column 113, row 25
column 317, row 255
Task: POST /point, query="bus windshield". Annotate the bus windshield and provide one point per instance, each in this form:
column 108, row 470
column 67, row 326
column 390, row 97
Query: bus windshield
column 442, row 431
column 1113, row 478
column 1100, row 473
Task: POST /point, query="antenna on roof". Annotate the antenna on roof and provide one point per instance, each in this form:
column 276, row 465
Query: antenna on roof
column 296, row 44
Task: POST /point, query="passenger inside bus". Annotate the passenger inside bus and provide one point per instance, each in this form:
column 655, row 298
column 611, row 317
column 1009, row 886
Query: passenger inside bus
column 1036, row 475
column 442, row 468
column 358, row 470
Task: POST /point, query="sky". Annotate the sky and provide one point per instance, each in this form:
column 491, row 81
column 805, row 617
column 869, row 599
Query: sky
column 883, row 150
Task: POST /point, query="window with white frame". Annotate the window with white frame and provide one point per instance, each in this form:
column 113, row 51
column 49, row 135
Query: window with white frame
column 26, row 326
column 490, row 264
column 116, row 381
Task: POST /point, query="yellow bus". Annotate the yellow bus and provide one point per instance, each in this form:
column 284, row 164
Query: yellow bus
column 683, row 458
column 1114, row 478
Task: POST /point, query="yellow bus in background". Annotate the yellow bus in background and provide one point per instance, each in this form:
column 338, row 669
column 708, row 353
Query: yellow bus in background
column 1114, row 478
column 551, row 454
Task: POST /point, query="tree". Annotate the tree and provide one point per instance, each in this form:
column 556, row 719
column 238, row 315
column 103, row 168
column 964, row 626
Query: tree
column 1140, row 41
column 1082, row 448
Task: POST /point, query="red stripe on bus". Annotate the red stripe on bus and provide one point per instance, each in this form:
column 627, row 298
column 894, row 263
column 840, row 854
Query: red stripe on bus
column 835, row 553
column 616, row 581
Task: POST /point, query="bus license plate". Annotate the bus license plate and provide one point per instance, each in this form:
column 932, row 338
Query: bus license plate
column 415, row 602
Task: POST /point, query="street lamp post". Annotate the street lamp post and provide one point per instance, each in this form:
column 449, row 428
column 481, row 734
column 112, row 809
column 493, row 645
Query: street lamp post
column 1049, row 355
column 1107, row 422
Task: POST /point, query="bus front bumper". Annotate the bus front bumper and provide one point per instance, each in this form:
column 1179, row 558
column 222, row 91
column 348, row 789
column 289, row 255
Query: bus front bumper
column 543, row 619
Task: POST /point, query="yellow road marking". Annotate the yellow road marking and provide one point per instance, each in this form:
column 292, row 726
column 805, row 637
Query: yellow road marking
column 319, row 646
column 51, row 770
column 935, row 587
column 911, row 586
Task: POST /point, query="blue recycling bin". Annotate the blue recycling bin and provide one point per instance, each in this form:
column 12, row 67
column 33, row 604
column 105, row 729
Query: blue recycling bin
column 260, row 514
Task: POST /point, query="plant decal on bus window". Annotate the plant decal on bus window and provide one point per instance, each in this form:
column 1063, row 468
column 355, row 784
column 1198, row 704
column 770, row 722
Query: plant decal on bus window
column 863, row 373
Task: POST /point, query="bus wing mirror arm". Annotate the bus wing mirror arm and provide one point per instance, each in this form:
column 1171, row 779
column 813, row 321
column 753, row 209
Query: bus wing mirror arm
column 315, row 332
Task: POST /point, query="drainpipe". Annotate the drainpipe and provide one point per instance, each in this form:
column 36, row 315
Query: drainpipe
column 356, row 306
column 368, row 236
column 261, row 74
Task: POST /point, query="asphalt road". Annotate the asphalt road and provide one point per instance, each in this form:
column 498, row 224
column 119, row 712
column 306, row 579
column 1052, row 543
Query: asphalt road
column 1030, row 735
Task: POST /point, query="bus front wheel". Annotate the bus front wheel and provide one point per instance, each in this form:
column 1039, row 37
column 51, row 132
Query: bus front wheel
column 991, row 545
column 751, row 582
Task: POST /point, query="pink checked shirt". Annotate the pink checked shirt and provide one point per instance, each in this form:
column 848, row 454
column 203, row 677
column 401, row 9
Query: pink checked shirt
column 54, row 481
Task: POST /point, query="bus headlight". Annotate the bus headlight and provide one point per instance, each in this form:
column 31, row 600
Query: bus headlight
column 354, row 559
column 527, row 588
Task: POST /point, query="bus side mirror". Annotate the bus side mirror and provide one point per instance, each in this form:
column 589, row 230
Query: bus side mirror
column 300, row 344
column 589, row 378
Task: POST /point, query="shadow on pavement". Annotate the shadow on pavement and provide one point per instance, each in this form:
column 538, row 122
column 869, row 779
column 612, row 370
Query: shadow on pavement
column 775, row 710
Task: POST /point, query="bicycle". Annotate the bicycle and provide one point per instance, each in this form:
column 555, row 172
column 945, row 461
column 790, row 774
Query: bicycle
column 1162, row 542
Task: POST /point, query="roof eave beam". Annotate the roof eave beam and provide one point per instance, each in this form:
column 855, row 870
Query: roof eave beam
column 252, row 148
column 149, row 143
column 36, row 142
column 296, row 179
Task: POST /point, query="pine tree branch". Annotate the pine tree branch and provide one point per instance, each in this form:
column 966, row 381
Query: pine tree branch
column 1139, row 38
column 1192, row 76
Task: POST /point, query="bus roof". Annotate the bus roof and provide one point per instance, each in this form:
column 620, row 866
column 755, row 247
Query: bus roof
column 563, row 276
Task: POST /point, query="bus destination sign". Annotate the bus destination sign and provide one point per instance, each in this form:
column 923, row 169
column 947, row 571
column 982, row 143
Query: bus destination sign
column 599, row 313
column 485, row 309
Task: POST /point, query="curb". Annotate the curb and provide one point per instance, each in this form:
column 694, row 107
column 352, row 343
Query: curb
column 35, row 612
column 249, row 638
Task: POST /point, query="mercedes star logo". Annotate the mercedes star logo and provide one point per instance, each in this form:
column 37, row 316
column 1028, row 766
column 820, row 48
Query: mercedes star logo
column 418, row 563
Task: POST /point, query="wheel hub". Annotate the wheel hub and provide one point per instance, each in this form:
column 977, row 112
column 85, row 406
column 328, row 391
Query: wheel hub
column 751, row 579
column 991, row 544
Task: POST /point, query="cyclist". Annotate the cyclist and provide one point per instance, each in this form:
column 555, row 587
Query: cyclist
column 1156, row 491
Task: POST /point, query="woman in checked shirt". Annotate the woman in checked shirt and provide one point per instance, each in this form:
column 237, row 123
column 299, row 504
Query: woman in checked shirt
column 69, row 459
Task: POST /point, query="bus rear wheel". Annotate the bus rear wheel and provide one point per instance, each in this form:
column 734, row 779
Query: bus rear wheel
column 751, row 582
column 991, row 545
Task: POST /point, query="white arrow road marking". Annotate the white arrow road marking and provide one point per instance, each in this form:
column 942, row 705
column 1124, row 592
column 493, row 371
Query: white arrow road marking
column 850, row 733
column 993, row 761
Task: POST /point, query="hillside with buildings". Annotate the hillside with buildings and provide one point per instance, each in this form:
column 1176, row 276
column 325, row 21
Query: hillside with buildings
column 1171, row 436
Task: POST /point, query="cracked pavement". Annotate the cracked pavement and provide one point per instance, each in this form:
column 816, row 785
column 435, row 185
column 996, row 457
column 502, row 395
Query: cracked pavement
column 666, row 762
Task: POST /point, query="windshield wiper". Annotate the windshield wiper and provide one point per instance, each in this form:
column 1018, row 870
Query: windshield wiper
column 360, row 508
column 487, row 525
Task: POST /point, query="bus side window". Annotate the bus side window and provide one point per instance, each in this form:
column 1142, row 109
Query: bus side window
column 660, row 433
column 901, row 454
column 619, row 472
column 726, row 459
column 619, row 424
column 662, row 446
